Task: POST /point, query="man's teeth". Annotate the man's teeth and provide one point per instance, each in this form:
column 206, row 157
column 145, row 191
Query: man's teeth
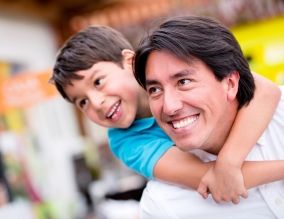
column 184, row 122
column 113, row 109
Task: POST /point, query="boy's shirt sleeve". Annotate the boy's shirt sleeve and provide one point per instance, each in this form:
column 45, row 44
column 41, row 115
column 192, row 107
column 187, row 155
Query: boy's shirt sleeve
column 140, row 146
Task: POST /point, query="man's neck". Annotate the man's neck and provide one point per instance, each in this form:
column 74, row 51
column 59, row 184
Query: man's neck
column 222, row 133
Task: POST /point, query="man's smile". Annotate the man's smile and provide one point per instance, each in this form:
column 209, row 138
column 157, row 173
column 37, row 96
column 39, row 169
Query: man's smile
column 184, row 122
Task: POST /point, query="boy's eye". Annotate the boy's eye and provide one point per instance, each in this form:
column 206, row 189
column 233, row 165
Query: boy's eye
column 83, row 103
column 98, row 82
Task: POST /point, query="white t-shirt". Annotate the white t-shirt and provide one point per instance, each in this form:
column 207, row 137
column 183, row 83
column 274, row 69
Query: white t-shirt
column 164, row 201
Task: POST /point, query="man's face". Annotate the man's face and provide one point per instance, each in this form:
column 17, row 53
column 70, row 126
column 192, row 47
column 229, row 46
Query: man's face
column 188, row 102
column 108, row 94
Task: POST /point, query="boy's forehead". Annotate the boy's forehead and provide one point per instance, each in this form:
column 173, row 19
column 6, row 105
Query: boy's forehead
column 102, row 66
column 90, row 72
column 99, row 68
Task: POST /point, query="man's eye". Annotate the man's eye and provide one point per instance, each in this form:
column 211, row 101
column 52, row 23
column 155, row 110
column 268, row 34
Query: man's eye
column 152, row 90
column 184, row 81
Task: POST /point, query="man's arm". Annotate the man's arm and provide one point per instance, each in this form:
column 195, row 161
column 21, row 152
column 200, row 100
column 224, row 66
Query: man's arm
column 225, row 180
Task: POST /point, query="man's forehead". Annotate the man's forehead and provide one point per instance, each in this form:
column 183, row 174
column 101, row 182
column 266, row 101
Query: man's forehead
column 186, row 59
column 175, row 66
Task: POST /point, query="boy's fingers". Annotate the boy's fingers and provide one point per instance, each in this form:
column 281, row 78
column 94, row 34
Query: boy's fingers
column 244, row 194
column 205, row 195
column 236, row 200
column 217, row 199
column 203, row 190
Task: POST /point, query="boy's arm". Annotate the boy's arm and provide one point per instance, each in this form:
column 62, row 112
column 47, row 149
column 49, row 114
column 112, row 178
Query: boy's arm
column 225, row 180
column 185, row 169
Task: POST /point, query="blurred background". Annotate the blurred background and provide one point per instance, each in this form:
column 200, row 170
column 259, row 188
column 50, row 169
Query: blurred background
column 55, row 164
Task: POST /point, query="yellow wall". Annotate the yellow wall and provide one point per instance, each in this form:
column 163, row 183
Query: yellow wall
column 263, row 44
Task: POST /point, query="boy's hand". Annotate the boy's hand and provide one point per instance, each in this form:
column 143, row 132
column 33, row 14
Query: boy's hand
column 225, row 183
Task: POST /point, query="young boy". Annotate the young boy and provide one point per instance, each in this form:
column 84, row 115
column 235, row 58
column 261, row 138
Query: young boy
column 94, row 71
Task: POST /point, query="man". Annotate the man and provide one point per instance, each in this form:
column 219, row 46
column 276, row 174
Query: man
column 197, row 78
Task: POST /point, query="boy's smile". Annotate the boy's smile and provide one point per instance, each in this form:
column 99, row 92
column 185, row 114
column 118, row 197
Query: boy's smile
column 114, row 111
column 108, row 94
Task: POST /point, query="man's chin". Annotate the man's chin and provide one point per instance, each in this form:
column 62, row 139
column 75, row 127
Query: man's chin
column 186, row 144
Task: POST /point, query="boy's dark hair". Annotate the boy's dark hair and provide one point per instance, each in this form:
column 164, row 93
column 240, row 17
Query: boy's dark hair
column 191, row 37
column 83, row 50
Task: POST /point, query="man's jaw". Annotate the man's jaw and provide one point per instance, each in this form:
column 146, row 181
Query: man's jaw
column 183, row 130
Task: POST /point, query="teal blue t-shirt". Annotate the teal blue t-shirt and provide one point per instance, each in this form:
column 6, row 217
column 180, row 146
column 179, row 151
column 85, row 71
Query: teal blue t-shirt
column 140, row 146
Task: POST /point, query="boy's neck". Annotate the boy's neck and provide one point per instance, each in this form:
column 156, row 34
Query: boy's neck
column 143, row 107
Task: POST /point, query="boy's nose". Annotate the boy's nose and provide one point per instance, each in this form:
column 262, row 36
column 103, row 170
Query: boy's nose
column 97, row 101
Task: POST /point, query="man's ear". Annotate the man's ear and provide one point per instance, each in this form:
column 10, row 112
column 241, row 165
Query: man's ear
column 127, row 55
column 232, row 85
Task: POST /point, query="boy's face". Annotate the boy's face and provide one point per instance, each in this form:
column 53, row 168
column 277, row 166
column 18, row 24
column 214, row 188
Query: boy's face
column 187, row 101
column 108, row 94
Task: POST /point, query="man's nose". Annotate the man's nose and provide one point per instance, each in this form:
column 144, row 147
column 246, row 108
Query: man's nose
column 171, row 103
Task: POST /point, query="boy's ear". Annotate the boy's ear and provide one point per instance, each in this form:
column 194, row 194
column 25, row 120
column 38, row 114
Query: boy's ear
column 232, row 81
column 127, row 55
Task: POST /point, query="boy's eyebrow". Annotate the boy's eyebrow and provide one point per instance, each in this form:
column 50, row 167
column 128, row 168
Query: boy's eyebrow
column 73, row 100
column 95, row 71
column 179, row 74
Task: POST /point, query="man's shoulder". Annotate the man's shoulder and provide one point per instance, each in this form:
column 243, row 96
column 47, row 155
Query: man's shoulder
column 277, row 121
column 272, row 139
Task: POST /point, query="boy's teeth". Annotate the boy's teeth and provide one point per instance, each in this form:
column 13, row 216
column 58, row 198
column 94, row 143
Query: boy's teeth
column 184, row 122
column 113, row 109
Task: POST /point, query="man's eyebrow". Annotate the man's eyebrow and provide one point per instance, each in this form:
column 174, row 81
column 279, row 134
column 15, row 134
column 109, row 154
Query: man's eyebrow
column 180, row 74
column 151, row 82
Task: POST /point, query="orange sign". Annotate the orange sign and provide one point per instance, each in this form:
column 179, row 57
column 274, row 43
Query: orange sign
column 24, row 90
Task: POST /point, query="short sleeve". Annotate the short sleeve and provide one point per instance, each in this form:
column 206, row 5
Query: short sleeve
column 140, row 151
